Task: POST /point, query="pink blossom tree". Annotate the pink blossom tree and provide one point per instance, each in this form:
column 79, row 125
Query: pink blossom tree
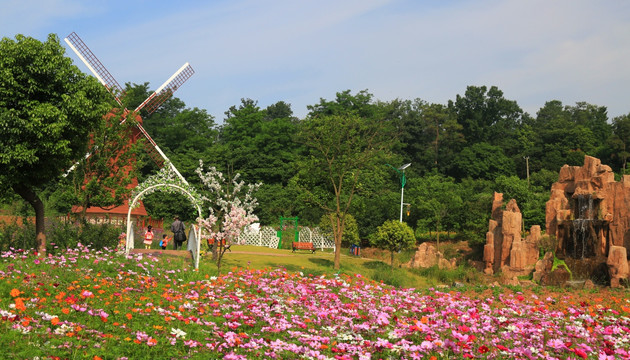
column 232, row 209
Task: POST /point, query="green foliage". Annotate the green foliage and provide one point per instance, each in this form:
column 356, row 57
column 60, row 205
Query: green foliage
column 482, row 161
column 438, row 201
column 104, row 177
column 47, row 109
column 548, row 243
column 394, row 236
column 341, row 147
column 96, row 236
column 389, row 275
column 486, row 116
column 17, row 236
column 60, row 235
column 544, row 178
column 328, row 223
column 474, row 216
column 530, row 199
column 557, row 263
column 462, row 273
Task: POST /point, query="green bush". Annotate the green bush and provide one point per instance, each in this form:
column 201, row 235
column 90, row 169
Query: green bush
column 350, row 231
column 394, row 236
column 17, row 236
column 59, row 235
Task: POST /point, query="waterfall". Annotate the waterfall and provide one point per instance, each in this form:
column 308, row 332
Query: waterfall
column 581, row 225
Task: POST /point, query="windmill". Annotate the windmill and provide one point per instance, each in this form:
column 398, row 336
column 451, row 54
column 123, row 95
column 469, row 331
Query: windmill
column 151, row 104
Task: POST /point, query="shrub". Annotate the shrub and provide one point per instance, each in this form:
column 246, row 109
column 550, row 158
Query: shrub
column 350, row 231
column 394, row 236
column 463, row 273
column 17, row 236
column 59, row 235
column 547, row 244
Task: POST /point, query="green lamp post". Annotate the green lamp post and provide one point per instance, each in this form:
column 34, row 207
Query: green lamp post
column 403, row 181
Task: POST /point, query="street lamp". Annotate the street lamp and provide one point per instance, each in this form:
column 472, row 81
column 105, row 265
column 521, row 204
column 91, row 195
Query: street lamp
column 403, row 181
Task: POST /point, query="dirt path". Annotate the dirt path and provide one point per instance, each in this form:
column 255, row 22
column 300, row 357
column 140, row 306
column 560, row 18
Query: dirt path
column 258, row 253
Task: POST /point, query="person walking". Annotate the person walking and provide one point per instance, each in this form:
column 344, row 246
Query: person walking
column 164, row 241
column 148, row 237
column 179, row 234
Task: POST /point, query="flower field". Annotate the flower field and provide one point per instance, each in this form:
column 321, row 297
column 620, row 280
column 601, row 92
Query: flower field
column 87, row 304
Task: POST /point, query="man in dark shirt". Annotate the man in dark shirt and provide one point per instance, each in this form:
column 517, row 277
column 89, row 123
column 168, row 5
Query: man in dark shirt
column 179, row 235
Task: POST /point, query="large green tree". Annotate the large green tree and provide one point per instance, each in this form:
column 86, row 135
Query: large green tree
column 47, row 109
column 486, row 116
column 438, row 200
column 341, row 148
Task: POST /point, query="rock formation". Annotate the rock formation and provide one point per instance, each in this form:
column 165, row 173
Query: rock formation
column 426, row 256
column 618, row 265
column 588, row 213
column 504, row 244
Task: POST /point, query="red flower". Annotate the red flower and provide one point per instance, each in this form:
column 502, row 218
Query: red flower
column 581, row 353
column 483, row 349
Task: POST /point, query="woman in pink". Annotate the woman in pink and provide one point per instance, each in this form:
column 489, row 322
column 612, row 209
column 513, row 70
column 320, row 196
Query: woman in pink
column 148, row 237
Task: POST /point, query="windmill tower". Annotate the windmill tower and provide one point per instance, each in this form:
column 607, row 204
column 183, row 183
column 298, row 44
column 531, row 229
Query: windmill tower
column 118, row 214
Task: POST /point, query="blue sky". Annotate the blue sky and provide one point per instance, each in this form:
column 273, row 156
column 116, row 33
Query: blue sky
column 301, row 51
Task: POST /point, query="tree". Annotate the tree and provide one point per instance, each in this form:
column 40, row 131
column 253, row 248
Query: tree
column 350, row 233
column 619, row 141
column 231, row 211
column 486, row 116
column 482, row 161
column 437, row 199
column 394, row 236
column 564, row 134
column 105, row 176
column 47, row 110
column 341, row 147
column 429, row 134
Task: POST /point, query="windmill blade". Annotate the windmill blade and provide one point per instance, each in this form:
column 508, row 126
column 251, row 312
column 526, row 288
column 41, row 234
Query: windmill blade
column 167, row 89
column 154, row 147
column 94, row 64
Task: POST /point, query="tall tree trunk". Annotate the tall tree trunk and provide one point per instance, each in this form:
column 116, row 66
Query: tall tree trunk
column 32, row 198
column 338, row 232
column 392, row 258
column 437, row 237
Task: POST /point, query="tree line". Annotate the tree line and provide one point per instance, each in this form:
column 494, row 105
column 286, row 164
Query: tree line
column 336, row 160
column 461, row 152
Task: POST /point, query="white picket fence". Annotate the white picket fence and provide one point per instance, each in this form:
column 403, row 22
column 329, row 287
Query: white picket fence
column 264, row 237
column 268, row 237
column 319, row 240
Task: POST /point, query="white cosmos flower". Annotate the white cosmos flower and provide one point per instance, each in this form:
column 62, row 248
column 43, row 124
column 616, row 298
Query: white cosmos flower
column 178, row 333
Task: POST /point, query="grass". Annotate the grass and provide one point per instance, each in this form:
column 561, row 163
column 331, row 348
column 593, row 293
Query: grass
column 319, row 263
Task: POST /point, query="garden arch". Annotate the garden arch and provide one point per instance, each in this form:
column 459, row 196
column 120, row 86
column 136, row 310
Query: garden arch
column 165, row 181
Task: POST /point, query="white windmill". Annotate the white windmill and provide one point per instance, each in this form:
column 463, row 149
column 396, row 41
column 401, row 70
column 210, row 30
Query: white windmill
column 151, row 104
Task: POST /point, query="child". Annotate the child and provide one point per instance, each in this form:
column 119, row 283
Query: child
column 148, row 237
column 164, row 241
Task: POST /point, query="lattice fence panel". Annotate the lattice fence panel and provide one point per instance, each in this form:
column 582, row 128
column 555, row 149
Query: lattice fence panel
column 265, row 237
column 306, row 235
column 321, row 240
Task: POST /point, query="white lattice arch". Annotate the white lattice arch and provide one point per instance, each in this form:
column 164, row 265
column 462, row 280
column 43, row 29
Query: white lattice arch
column 197, row 230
